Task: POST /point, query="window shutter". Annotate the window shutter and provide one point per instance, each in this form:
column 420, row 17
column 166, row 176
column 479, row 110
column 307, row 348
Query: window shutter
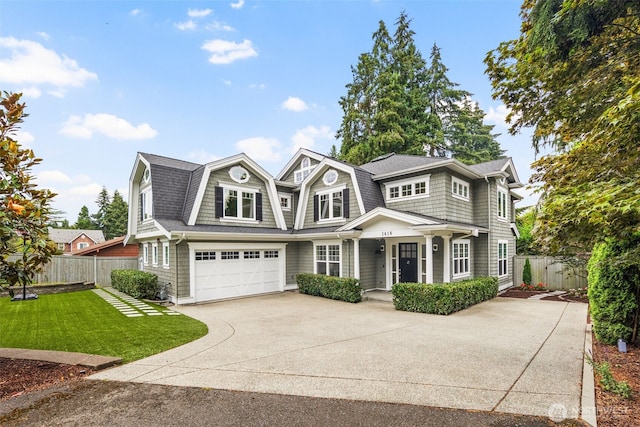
column 259, row 206
column 345, row 202
column 219, row 202
column 315, row 208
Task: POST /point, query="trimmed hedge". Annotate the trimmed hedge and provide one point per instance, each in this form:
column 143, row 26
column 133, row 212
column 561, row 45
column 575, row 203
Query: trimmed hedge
column 339, row 288
column 443, row 298
column 138, row 284
column 614, row 294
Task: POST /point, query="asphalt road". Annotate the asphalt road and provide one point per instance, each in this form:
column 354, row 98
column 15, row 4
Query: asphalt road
column 110, row 403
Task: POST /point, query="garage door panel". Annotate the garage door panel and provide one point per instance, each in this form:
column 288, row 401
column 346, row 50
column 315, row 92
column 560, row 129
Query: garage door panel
column 228, row 278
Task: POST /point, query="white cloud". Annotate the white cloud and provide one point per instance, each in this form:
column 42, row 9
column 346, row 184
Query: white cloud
column 189, row 25
column 237, row 5
column 24, row 138
column 226, row 52
column 294, row 104
column 31, row 92
column 43, row 35
column 32, row 63
column 201, row 157
column 106, row 124
column 226, row 82
column 199, row 13
column 54, row 176
column 59, row 93
column 498, row 115
column 219, row 26
column 135, row 12
column 306, row 137
column 257, row 86
column 260, row 148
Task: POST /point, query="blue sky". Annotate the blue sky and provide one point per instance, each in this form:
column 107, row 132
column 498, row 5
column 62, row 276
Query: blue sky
column 203, row 80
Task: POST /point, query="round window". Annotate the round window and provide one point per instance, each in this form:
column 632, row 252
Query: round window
column 146, row 175
column 239, row 174
column 330, row 177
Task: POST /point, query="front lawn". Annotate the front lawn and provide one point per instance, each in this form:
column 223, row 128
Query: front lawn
column 83, row 322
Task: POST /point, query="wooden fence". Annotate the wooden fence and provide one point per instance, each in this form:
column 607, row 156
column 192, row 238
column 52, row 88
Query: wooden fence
column 550, row 271
column 66, row 268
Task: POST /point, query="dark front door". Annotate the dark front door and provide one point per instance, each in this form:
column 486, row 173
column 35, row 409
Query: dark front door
column 408, row 262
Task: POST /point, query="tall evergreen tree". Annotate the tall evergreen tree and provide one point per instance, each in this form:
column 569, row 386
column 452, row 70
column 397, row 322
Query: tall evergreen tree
column 115, row 219
column 470, row 140
column 84, row 221
column 102, row 201
column 443, row 108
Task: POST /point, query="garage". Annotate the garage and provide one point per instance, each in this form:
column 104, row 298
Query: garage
column 236, row 270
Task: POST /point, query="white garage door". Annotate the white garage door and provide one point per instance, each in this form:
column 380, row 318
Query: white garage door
column 232, row 272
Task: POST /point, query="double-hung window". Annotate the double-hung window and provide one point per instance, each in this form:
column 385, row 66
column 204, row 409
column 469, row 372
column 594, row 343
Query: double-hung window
column 461, row 258
column 165, row 254
column 331, row 204
column 145, row 254
column 146, row 204
column 154, row 254
column 503, row 250
column 502, row 204
column 238, row 203
column 327, row 259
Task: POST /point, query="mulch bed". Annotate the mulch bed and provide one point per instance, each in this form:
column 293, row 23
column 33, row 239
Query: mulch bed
column 18, row 376
column 517, row 293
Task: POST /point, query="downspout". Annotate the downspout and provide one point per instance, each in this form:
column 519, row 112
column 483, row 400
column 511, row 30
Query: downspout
column 486, row 178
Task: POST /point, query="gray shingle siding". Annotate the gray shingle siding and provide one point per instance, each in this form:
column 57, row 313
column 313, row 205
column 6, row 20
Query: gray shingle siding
column 169, row 202
column 318, row 185
column 370, row 263
column 191, row 193
column 370, row 191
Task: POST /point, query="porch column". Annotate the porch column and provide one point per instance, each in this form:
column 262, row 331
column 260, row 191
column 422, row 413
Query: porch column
column 429, row 257
column 356, row 258
column 446, row 270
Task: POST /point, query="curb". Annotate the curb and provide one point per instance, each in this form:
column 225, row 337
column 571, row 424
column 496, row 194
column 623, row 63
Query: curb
column 92, row 361
column 588, row 398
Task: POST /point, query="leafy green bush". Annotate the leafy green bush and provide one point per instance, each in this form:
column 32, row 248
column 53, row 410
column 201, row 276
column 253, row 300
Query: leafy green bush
column 338, row 288
column 526, row 273
column 613, row 290
column 608, row 383
column 443, row 298
column 138, row 284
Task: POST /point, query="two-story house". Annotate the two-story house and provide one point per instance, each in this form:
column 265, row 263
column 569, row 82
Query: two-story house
column 229, row 229
column 69, row 240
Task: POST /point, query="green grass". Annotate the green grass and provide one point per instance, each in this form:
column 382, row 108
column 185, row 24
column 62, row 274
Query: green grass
column 83, row 322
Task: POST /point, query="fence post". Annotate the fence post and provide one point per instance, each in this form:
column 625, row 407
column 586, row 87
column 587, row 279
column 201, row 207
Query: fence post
column 95, row 269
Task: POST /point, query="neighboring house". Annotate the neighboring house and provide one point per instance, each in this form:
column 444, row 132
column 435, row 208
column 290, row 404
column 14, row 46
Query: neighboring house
column 111, row 248
column 69, row 240
column 228, row 228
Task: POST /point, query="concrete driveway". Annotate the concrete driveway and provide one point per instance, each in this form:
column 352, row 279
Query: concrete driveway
column 505, row 355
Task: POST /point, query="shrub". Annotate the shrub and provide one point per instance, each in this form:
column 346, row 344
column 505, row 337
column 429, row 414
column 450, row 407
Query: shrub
column 607, row 381
column 138, row 284
column 338, row 288
column 444, row 298
column 526, row 272
column 613, row 289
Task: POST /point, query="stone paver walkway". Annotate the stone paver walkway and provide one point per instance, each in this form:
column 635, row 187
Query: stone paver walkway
column 130, row 306
column 547, row 294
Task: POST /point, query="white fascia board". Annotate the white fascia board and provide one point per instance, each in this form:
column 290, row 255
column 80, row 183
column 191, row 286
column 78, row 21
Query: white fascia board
column 301, row 152
column 453, row 228
column 203, row 236
column 386, row 213
column 304, row 188
column 513, row 173
column 229, row 161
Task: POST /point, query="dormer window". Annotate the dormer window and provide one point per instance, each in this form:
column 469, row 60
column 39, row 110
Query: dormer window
column 331, row 204
column 239, row 174
column 238, row 203
column 305, row 169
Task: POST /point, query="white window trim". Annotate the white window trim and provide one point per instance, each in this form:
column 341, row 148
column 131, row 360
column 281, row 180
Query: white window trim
column 154, row 254
column 240, row 190
column 285, row 196
column 327, row 243
column 506, row 259
column 460, row 182
column 325, row 181
column 413, row 181
column 466, row 242
column 505, row 193
column 82, row 245
column 165, row 254
column 330, row 191
column 145, row 254
column 239, row 180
